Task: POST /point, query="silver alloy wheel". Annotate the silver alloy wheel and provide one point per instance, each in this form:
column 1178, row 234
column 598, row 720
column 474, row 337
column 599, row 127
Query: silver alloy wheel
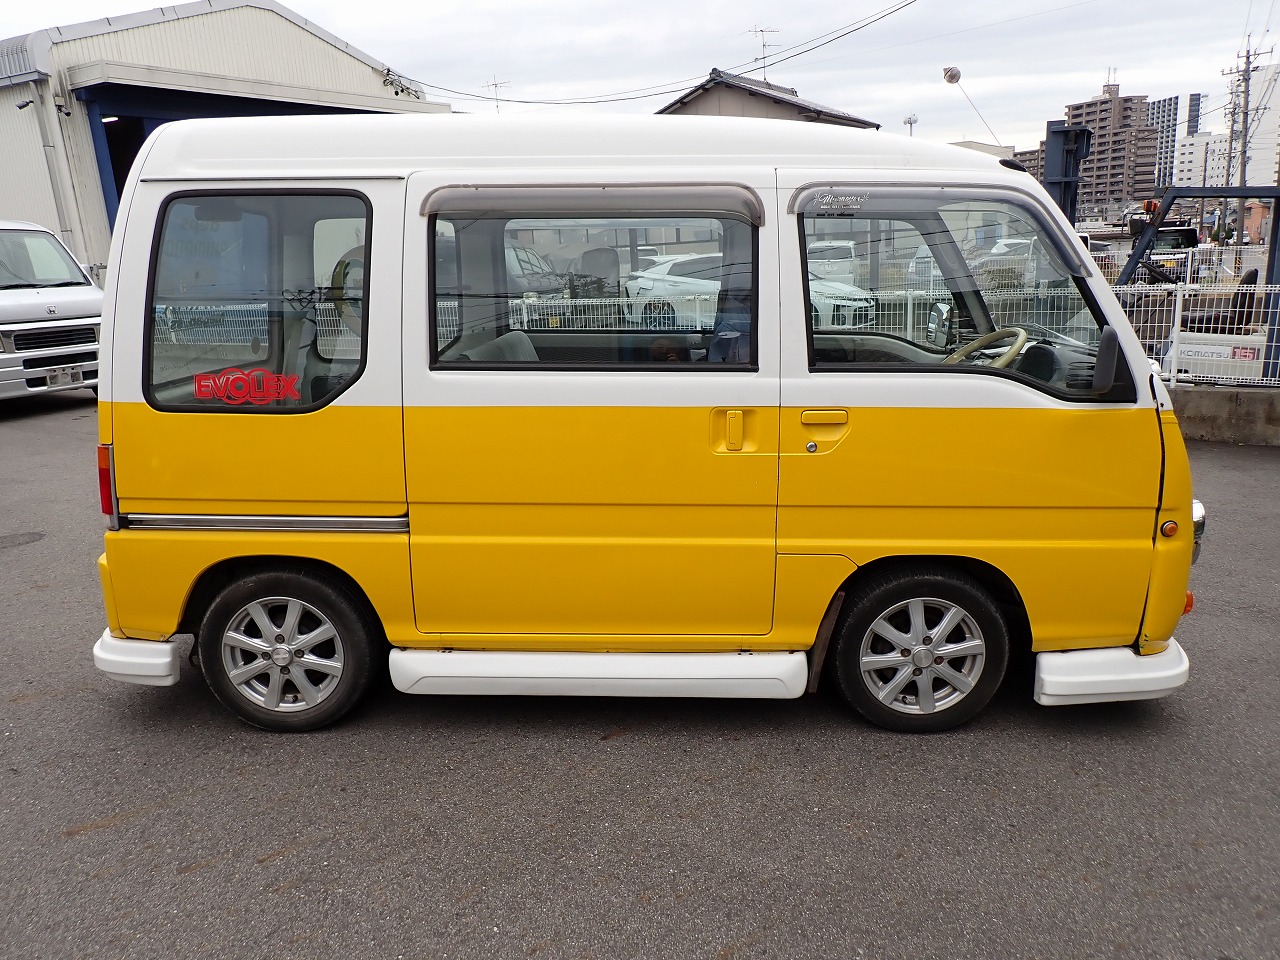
column 282, row 654
column 922, row 655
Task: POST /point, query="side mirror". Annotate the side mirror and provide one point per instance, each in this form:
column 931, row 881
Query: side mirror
column 942, row 326
column 1107, row 362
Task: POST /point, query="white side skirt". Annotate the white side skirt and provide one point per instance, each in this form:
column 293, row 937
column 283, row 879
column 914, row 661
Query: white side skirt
column 1114, row 673
column 771, row 676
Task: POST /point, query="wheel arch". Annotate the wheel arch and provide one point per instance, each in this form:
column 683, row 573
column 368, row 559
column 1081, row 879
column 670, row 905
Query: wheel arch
column 991, row 578
column 225, row 572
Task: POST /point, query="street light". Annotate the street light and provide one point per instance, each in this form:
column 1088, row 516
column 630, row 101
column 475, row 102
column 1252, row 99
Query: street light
column 910, row 120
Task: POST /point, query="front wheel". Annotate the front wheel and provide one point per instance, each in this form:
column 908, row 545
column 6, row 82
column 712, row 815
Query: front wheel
column 920, row 650
column 287, row 650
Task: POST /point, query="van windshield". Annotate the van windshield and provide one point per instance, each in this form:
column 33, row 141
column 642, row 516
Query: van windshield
column 33, row 258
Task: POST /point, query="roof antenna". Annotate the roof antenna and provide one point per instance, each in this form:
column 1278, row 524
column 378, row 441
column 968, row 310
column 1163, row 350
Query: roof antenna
column 764, row 47
column 497, row 104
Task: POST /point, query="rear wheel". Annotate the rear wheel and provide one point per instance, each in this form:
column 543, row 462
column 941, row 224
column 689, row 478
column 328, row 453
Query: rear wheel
column 920, row 650
column 287, row 650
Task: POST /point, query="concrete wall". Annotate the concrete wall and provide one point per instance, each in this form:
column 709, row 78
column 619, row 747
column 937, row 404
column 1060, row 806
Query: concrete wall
column 1229, row 414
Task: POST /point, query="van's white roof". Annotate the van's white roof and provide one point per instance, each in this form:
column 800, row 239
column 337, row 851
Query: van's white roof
column 373, row 145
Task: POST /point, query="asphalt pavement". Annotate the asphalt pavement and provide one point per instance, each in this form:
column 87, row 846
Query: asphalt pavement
column 149, row 823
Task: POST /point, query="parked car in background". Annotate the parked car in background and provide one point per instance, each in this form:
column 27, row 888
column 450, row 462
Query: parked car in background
column 530, row 272
column 50, row 314
column 681, row 290
column 923, row 272
column 1011, row 247
column 833, row 260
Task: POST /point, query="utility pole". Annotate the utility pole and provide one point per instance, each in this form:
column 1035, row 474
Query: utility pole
column 1204, row 181
column 764, row 56
column 1226, row 176
column 1245, row 74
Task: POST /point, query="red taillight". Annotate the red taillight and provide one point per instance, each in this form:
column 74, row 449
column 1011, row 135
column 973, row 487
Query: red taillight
column 106, row 491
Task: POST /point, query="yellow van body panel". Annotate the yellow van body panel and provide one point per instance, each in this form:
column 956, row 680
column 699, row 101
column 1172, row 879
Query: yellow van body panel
column 154, row 571
column 336, row 461
column 1060, row 501
column 109, row 598
column 1171, row 567
column 604, row 521
column 806, row 585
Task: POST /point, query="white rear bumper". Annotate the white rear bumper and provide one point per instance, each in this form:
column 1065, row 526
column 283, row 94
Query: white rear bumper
column 1114, row 673
column 149, row 662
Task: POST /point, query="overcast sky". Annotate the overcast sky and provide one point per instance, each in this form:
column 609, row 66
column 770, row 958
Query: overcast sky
column 1019, row 63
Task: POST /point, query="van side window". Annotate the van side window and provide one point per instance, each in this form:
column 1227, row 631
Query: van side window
column 258, row 301
column 945, row 282
column 586, row 290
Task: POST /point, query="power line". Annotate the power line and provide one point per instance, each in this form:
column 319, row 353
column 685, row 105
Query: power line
column 670, row 88
column 981, row 26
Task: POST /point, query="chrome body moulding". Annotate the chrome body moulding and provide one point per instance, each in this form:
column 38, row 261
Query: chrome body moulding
column 195, row 521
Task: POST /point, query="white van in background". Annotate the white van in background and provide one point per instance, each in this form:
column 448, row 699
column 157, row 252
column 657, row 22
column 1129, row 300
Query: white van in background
column 50, row 313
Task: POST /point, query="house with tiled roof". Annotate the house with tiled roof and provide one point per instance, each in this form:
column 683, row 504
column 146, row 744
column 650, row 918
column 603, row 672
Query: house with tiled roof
column 733, row 95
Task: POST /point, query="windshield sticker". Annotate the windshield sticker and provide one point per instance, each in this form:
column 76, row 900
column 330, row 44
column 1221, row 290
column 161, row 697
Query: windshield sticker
column 235, row 386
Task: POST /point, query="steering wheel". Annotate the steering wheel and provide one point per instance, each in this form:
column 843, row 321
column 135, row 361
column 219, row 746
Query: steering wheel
column 1016, row 334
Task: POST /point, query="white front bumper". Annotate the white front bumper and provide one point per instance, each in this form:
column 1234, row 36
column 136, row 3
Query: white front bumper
column 1113, row 673
column 152, row 663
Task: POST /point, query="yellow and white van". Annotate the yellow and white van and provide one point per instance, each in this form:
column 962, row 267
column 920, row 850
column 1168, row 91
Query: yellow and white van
column 390, row 387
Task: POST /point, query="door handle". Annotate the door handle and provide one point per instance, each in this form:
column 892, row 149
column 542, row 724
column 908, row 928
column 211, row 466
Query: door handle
column 824, row 416
column 733, row 429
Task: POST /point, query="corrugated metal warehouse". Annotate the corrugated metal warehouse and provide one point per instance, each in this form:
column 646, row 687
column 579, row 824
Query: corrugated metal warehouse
column 77, row 102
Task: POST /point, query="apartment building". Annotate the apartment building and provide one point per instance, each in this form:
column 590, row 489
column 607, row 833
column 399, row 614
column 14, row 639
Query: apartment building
column 1200, row 159
column 1121, row 166
column 1165, row 115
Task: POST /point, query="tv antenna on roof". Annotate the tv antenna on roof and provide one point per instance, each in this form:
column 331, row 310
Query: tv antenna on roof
column 764, row 47
column 494, row 85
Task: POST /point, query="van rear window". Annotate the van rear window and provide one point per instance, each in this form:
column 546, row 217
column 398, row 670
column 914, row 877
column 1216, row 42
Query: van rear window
column 257, row 301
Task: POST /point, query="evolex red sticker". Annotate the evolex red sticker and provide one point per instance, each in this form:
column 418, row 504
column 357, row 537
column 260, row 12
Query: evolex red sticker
column 235, row 386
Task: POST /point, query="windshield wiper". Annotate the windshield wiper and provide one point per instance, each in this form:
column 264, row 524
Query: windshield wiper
column 66, row 283
column 19, row 286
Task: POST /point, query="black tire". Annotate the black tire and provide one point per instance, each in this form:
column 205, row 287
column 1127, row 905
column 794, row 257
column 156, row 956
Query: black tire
column 913, row 603
column 308, row 676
